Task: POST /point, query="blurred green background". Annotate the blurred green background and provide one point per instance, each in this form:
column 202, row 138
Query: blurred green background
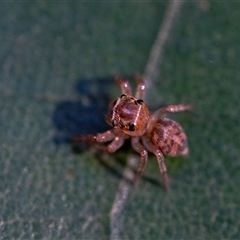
column 49, row 192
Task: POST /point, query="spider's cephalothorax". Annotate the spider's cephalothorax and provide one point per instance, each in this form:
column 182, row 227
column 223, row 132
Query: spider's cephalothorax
column 130, row 115
column 130, row 118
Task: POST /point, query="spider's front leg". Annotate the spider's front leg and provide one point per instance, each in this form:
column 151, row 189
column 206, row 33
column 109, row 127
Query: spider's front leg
column 110, row 135
column 124, row 85
column 138, row 147
column 100, row 137
column 141, row 88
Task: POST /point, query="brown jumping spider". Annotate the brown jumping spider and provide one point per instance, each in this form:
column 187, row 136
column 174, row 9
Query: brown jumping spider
column 130, row 118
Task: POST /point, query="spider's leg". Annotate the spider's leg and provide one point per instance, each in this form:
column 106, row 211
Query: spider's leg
column 117, row 142
column 124, row 85
column 141, row 87
column 95, row 140
column 138, row 147
column 174, row 108
column 100, row 137
column 171, row 109
column 162, row 168
column 160, row 158
column 168, row 109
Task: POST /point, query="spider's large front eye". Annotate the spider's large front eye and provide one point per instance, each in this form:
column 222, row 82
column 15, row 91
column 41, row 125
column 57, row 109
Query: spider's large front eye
column 131, row 127
column 139, row 101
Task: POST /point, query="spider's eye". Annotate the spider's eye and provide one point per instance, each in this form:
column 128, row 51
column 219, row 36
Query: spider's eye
column 139, row 101
column 123, row 95
column 131, row 127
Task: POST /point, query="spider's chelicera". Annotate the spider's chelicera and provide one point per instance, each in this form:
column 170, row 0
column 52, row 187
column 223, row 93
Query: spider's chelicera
column 130, row 118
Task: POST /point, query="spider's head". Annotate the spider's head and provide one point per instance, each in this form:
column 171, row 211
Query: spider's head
column 129, row 114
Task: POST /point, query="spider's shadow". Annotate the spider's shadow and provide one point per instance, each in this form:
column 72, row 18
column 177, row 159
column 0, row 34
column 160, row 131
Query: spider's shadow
column 86, row 116
column 74, row 118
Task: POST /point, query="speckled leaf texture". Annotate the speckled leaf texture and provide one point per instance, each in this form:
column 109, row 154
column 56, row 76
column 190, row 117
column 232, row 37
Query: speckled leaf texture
column 53, row 55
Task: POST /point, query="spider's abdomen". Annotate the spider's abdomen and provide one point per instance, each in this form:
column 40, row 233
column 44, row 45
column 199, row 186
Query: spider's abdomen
column 169, row 137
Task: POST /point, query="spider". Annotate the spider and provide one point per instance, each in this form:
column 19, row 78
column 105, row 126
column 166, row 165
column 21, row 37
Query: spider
column 130, row 118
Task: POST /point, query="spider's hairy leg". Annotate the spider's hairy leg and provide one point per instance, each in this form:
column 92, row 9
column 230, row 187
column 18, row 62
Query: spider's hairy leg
column 175, row 108
column 138, row 147
column 172, row 109
column 100, row 137
column 162, row 168
column 141, row 87
column 124, row 85
column 160, row 158
column 95, row 140
column 168, row 109
column 117, row 142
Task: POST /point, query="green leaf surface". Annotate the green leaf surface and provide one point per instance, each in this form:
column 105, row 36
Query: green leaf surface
column 49, row 192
